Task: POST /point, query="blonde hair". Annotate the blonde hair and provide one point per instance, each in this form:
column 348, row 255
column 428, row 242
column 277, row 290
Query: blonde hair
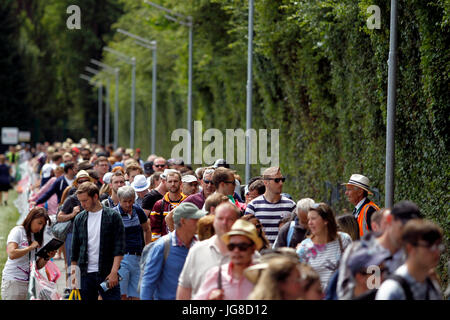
column 277, row 271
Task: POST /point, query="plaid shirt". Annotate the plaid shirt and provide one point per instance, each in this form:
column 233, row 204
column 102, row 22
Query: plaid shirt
column 112, row 240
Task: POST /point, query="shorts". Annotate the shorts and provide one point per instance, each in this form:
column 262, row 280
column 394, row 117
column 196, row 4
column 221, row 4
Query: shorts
column 130, row 272
column 14, row 290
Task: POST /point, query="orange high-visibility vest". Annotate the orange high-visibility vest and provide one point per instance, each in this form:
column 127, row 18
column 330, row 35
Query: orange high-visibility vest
column 362, row 218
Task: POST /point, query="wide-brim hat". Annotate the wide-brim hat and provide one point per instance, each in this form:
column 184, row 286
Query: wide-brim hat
column 244, row 228
column 140, row 183
column 360, row 181
column 253, row 272
column 82, row 174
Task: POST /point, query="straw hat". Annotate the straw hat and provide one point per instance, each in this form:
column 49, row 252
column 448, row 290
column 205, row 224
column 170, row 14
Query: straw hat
column 244, row 228
column 360, row 181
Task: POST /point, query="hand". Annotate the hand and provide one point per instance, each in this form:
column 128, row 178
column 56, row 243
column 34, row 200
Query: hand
column 216, row 294
column 34, row 245
column 113, row 279
column 76, row 210
column 51, row 254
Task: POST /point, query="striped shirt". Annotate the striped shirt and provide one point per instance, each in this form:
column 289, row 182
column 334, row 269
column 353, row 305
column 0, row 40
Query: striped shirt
column 323, row 258
column 270, row 214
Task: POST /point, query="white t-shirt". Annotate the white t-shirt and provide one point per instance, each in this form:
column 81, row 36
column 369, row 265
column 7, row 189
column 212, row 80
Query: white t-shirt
column 93, row 229
column 19, row 269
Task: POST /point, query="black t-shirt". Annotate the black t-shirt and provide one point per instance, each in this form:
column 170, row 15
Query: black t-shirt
column 150, row 199
column 70, row 203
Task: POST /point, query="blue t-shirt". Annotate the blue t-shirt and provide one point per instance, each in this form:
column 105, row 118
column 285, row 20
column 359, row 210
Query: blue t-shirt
column 134, row 237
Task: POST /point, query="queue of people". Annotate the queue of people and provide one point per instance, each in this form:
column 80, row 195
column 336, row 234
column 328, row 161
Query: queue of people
column 158, row 230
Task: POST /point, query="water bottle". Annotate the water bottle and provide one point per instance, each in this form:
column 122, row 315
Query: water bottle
column 105, row 284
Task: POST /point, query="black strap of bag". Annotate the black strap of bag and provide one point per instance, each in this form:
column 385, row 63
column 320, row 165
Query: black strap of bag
column 404, row 284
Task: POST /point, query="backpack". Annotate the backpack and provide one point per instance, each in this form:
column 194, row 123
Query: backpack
column 371, row 294
column 145, row 252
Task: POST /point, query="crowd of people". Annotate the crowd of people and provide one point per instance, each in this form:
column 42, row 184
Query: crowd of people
column 157, row 229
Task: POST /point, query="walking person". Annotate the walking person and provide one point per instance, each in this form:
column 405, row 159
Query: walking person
column 422, row 241
column 5, row 180
column 98, row 245
column 21, row 246
column 325, row 246
column 137, row 235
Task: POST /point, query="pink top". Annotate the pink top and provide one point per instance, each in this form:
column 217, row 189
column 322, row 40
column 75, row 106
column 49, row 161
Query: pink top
column 234, row 289
column 52, row 203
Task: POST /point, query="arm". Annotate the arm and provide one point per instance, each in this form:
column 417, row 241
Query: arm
column 169, row 221
column 15, row 253
column 63, row 217
column 152, row 271
column 147, row 232
column 49, row 193
column 113, row 276
column 183, row 293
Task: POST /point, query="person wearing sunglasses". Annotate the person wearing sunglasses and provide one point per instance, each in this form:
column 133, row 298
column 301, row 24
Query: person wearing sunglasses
column 159, row 164
column 228, row 282
column 208, row 188
column 422, row 241
column 271, row 207
column 225, row 183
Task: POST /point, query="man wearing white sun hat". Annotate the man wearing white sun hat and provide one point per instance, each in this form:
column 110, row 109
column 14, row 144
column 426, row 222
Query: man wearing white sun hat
column 140, row 186
column 357, row 189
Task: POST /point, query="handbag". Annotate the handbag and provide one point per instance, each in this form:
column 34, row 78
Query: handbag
column 39, row 287
column 61, row 229
column 75, row 294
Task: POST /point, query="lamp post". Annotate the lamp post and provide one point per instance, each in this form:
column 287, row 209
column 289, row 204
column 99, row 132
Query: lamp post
column 188, row 22
column 100, row 107
column 132, row 62
column 152, row 45
column 115, row 71
column 108, row 84
column 391, row 101
column 249, row 91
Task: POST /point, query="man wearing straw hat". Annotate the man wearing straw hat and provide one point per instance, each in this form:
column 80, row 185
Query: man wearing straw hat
column 356, row 190
column 227, row 282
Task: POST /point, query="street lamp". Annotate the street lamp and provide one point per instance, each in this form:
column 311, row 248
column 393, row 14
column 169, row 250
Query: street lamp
column 114, row 71
column 249, row 90
column 152, row 45
column 188, row 22
column 132, row 61
column 100, row 106
column 108, row 85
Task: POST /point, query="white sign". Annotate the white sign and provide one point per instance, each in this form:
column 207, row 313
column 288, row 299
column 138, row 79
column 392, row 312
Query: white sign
column 24, row 136
column 10, row 135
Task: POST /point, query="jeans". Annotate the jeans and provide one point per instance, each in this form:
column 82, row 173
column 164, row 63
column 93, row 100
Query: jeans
column 90, row 288
column 68, row 246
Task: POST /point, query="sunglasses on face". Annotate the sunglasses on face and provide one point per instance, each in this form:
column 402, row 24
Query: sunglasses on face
column 243, row 246
column 277, row 180
column 432, row 247
column 207, row 181
column 232, row 182
column 160, row 165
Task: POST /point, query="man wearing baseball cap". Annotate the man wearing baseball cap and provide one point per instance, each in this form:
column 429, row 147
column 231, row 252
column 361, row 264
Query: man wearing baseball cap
column 227, row 281
column 160, row 276
column 357, row 189
column 388, row 244
column 190, row 184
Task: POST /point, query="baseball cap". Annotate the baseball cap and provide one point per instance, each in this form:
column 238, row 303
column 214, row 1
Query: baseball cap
column 406, row 210
column 189, row 178
column 167, row 172
column 47, row 170
column 187, row 210
column 148, row 167
column 221, row 163
column 107, row 177
column 360, row 260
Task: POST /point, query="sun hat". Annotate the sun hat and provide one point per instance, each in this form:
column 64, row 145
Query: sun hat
column 167, row 172
column 47, row 170
column 243, row 228
column 82, row 174
column 189, row 178
column 140, row 183
column 360, row 181
column 187, row 210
